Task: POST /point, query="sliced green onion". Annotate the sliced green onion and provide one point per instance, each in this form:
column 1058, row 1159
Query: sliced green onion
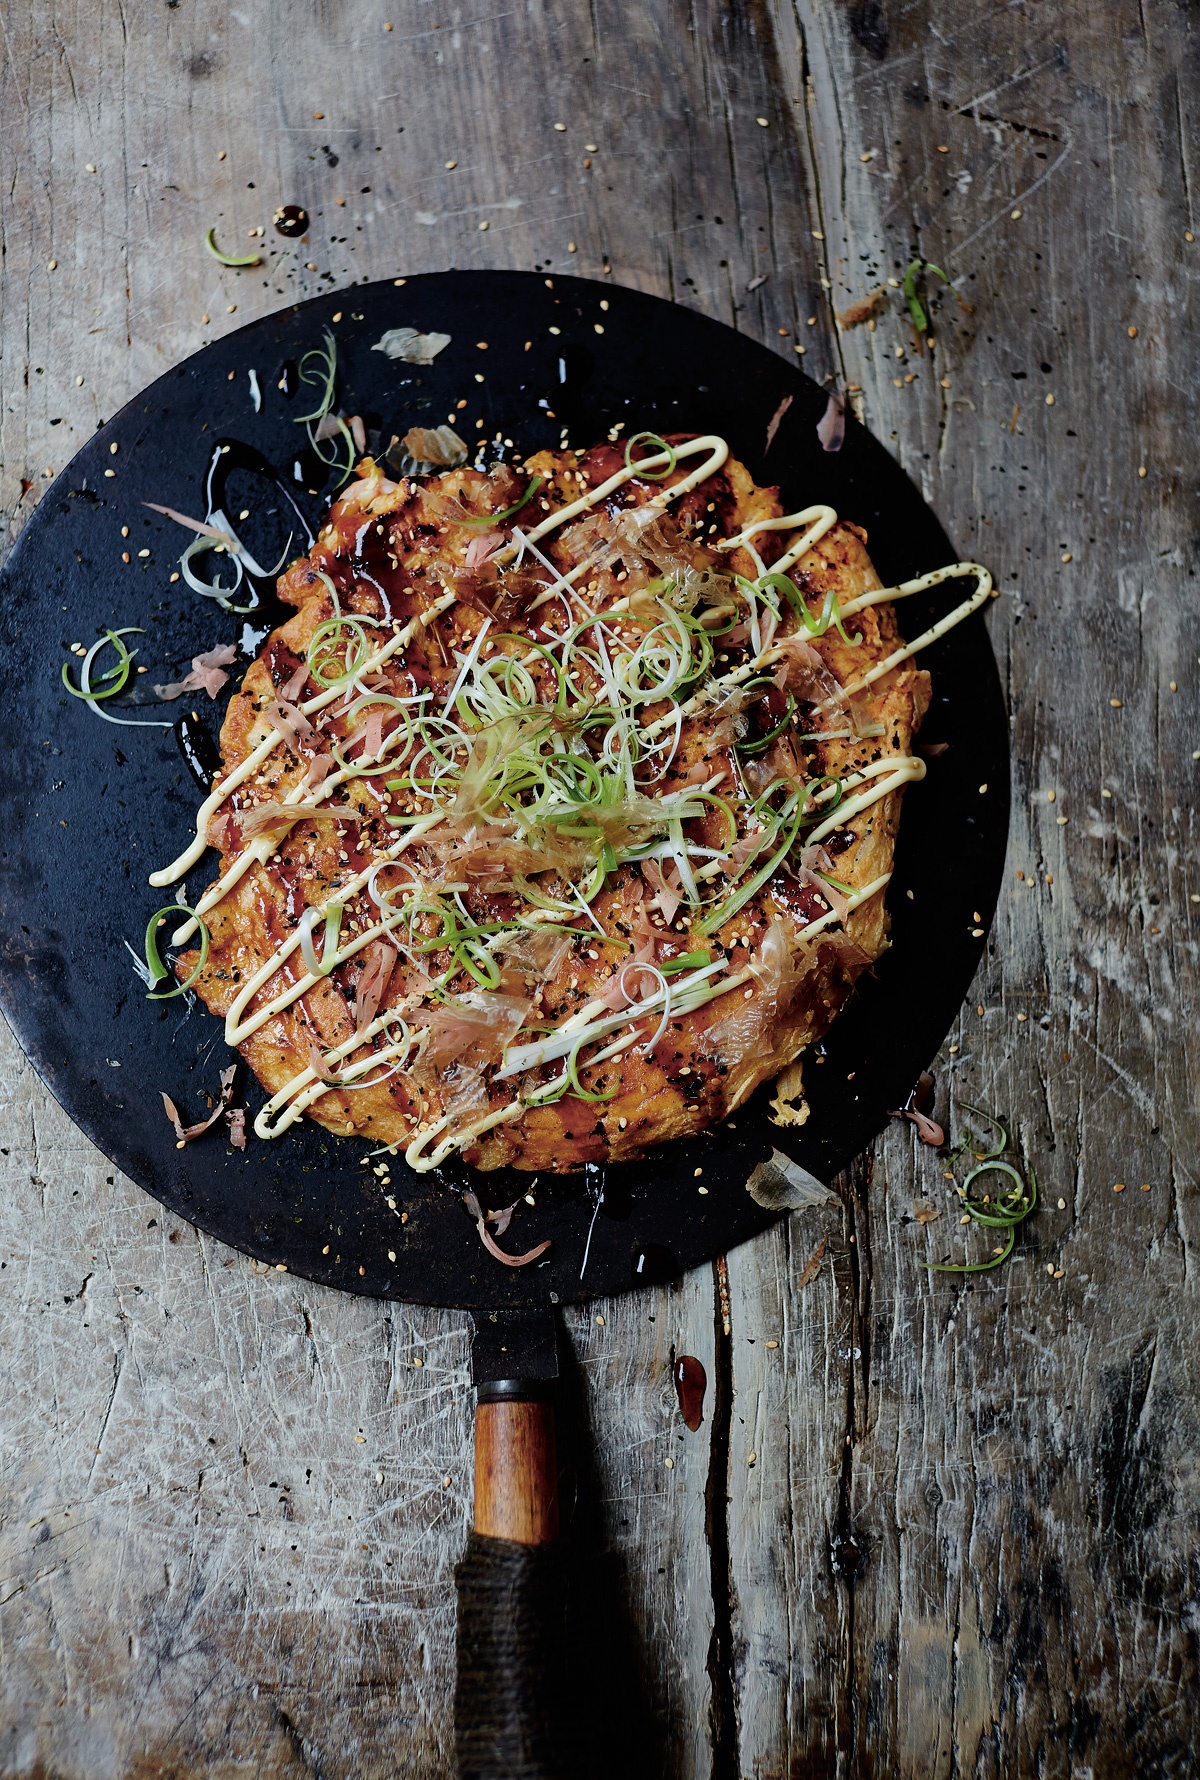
column 659, row 445
column 1004, row 1213
column 325, row 377
column 727, row 910
column 915, row 307
column 756, row 747
column 967, row 1140
column 229, row 259
column 686, row 961
column 577, row 1087
column 975, row 1266
column 118, row 674
column 496, row 518
column 816, row 627
column 154, row 963
column 341, row 642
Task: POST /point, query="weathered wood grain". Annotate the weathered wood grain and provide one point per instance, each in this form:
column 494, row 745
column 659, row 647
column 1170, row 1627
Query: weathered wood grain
column 967, row 1537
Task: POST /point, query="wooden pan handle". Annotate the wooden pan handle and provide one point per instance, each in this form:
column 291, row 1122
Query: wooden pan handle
column 512, row 1675
column 516, row 1470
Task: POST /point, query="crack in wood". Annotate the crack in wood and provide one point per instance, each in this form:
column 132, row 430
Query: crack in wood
column 722, row 1710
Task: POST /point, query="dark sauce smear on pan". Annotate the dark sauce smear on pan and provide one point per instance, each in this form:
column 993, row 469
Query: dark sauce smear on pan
column 199, row 748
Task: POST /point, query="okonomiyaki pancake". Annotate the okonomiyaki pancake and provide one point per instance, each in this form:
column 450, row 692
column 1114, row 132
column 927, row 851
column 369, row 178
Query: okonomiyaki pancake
column 559, row 816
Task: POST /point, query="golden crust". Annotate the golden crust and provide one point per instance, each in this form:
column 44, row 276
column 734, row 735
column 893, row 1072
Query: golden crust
column 391, row 550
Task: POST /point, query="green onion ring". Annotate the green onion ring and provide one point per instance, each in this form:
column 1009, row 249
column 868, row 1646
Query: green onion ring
column 631, row 462
column 158, row 970
column 228, row 259
column 484, row 519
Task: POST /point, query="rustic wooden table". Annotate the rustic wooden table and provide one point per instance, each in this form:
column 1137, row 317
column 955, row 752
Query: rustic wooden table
column 929, row 1527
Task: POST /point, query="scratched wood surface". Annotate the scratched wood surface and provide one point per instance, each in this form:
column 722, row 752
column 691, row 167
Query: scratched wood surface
column 939, row 1527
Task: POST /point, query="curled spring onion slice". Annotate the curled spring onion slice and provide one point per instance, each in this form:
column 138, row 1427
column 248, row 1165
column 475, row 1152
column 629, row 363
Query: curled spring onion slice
column 916, row 308
column 320, row 967
column 661, row 450
column 324, row 376
column 117, row 674
column 154, row 961
column 1003, row 1213
column 764, row 741
column 576, row 1086
column 228, row 259
column 486, row 519
column 337, row 650
column 968, row 1141
column 815, row 626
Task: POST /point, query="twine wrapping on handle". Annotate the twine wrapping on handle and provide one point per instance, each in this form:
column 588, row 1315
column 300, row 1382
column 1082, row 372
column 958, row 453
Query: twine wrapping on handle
column 510, row 1710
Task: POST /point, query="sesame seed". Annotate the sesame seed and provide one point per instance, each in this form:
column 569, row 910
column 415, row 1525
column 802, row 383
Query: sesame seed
column 772, row 1344
column 1141, row 469
column 52, row 265
column 143, row 553
column 669, row 1463
column 560, row 127
column 450, row 166
column 1119, row 1187
column 571, row 247
column 1066, row 556
column 1016, row 215
column 91, row 166
column 762, row 121
column 1132, row 332
column 484, row 226
column 1050, row 401
column 1116, row 703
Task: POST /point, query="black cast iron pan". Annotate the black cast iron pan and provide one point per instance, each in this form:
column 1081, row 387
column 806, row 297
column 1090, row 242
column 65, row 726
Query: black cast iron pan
column 88, row 810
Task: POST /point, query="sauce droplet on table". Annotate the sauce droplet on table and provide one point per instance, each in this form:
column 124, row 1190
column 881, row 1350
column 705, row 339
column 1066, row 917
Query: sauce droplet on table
column 691, row 1381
